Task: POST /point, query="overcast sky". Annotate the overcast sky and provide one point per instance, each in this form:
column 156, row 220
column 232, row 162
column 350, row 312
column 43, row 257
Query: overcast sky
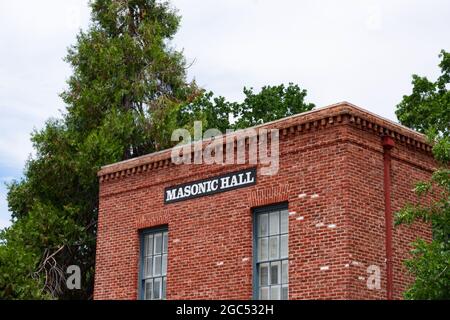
column 360, row 51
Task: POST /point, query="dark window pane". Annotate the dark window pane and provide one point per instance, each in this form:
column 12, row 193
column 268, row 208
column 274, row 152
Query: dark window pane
column 284, row 293
column 275, row 292
column 284, row 246
column 164, row 264
column 263, row 225
column 263, row 248
column 157, row 261
column 148, row 267
column 275, row 273
column 149, row 245
column 158, row 243
column 157, row 288
column 165, row 242
column 274, row 223
column 274, row 248
column 285, row 271
column 263, row 274
column 284, row 221
column 264, row 293
column 148, row 288
column 163, row 296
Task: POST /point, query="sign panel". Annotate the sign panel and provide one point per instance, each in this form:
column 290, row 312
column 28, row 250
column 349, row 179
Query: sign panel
column 200, row 188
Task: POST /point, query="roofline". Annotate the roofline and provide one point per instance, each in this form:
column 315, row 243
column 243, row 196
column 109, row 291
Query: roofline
column 394, row 128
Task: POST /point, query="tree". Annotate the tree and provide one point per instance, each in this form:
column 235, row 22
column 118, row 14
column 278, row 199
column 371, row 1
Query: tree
column 214, row 112
column 427, row 109
column 126, row 87
column 270, row 103
column 428, row 106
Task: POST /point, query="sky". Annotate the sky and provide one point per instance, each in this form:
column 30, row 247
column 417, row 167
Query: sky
column 361, row 51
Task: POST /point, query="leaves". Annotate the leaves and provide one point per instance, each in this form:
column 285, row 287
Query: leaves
column 431, row 267
column 428, row 109
column 428, row 106
column 271, row 103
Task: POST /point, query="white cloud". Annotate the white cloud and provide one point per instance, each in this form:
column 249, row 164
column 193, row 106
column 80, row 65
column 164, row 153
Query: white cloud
column 360, row 51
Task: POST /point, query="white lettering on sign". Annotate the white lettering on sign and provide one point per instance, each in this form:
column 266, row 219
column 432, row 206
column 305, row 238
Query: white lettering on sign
column 205, row 187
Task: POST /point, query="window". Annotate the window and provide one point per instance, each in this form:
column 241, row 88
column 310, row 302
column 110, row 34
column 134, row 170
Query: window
column 153, row 268
column 271, row 268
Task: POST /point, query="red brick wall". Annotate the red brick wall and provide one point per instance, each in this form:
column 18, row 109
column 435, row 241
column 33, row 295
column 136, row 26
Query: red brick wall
column 366, row 210
column 332, row 177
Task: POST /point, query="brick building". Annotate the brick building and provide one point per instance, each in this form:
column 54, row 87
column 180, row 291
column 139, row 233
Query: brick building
column 316, row 229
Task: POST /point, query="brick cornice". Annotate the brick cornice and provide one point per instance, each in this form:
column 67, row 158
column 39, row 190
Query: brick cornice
column 343, row 113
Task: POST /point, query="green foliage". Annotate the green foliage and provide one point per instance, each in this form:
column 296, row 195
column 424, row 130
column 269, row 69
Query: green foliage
column 430, row 265
column 272, row 103
column 428, row 109
column 16, row 260
column 214, row 112
column 428, row 106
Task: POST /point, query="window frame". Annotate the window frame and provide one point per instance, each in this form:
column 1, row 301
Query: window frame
column 142, row 234
column 255, row 213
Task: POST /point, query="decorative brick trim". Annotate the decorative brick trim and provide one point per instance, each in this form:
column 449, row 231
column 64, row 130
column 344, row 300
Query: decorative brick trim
column 268, row 196
column 341, row 113
column 150, row 220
